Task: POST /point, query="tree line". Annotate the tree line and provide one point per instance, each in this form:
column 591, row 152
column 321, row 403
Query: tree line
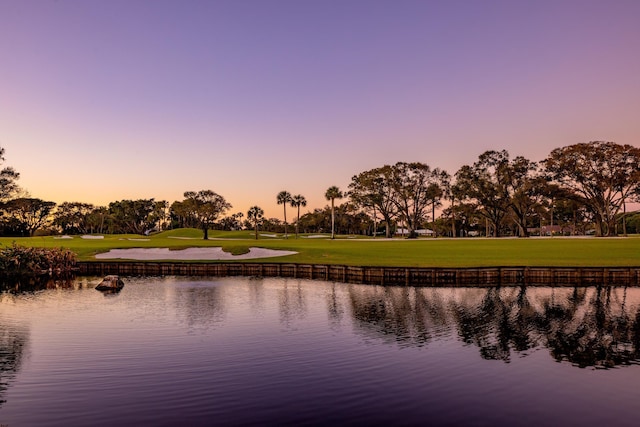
column 577, row 189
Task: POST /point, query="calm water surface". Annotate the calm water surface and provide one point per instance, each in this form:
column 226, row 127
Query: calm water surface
column 238, row 351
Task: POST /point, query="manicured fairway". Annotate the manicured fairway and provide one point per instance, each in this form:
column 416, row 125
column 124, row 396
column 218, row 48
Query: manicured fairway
column 439, row 252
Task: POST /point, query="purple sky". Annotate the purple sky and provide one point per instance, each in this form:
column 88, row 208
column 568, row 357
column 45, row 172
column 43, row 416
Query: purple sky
column 109, row 100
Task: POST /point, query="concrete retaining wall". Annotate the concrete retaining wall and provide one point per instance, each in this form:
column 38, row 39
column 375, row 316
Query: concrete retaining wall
column 403, row 276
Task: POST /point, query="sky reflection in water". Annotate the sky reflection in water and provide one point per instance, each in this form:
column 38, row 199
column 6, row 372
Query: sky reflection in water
column 239, row 351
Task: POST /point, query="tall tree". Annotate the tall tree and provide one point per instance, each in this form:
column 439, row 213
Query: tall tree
column 183, row 214
column 283, row 198
column 206, row 206
column 437, row 191
column 485, row 183
column 317, row 221
column 98, row 220
column 297, row 201
column 29, row 214
column 273, row 225
column 332, row 194
column 527, row 188
column 604, row 174
column 72, row 217
column 564, row 208
column 454, row 193
column 231, row 222
column 374, row 189
column 132, row 216
column 255, row 215
column 160, row 214
column 415, row 186
column 8, row 177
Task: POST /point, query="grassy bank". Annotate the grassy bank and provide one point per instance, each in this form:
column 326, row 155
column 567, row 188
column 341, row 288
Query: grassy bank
column 476, row 252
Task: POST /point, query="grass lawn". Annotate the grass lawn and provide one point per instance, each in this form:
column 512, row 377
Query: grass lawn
column 426, row 252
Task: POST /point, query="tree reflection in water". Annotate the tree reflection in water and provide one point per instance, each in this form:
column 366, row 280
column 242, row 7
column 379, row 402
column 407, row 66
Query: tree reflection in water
column 334, row 308
column 200, row 305
column 588, row 327
column 13, row 342
column 396, row 314
column 34, row 284
column 292, row 302
column 257, row 295
column 14, row 338
column 600, row 332
column 503, row 321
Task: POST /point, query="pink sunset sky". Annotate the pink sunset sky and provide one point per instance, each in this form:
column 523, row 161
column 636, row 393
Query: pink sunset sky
column 109, row 100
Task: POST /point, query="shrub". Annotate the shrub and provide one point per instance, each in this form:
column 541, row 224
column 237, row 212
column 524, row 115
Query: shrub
column 19, row 260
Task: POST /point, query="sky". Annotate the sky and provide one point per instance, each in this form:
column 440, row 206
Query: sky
column 132, row 99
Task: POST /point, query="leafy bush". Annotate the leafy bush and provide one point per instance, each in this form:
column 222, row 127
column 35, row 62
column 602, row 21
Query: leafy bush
column 19, row 260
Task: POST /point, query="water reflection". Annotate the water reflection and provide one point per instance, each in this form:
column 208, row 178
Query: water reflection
column 588, row 327
column 400, row 314
column 500, row 323
column 600, row 332
column 32, row 284
column 292, row 302
column 200, row 305
column 335, row 310
column 257, row 295
column 13, row 343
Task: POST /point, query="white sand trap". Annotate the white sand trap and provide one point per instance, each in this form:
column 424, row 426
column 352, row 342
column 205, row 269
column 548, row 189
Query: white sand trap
column 205, row 254
column 65, row 237
column 318, row 236
column 89, row 236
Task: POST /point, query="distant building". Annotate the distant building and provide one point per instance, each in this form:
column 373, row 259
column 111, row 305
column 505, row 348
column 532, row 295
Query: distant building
column 421, row 232
column 547, row 230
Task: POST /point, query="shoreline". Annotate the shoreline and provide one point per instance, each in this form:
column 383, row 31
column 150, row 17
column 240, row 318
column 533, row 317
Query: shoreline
column 371, row 275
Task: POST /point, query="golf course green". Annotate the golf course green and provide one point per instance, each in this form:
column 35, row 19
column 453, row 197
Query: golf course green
column 359, row 251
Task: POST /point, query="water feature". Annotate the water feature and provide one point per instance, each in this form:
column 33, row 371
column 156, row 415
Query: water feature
column 249, row 351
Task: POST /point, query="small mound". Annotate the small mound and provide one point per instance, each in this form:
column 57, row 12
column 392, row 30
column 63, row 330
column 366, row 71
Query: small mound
column 190, row 233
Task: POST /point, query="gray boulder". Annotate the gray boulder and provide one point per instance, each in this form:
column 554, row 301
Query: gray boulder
column 110, row 283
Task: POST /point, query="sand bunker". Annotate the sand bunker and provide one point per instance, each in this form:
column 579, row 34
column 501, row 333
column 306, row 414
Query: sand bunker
column 205, row 254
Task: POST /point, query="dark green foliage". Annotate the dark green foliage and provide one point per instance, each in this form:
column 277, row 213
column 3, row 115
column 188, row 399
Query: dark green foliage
column 205, row 206
column 132, row 216
column 632, row 220
column 74, row 217
column 26, row 215
column 16, row 260
column 8, row 178
column 604, row 174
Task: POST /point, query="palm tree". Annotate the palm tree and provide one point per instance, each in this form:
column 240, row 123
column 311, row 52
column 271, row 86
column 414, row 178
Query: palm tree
column 284, row 197
column 333, row 193
column 297, row 201
column 255, row 215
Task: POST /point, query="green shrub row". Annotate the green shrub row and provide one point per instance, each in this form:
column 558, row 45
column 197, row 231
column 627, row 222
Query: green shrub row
column 17, row 260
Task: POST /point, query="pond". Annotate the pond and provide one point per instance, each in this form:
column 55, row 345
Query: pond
column 250, row 351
